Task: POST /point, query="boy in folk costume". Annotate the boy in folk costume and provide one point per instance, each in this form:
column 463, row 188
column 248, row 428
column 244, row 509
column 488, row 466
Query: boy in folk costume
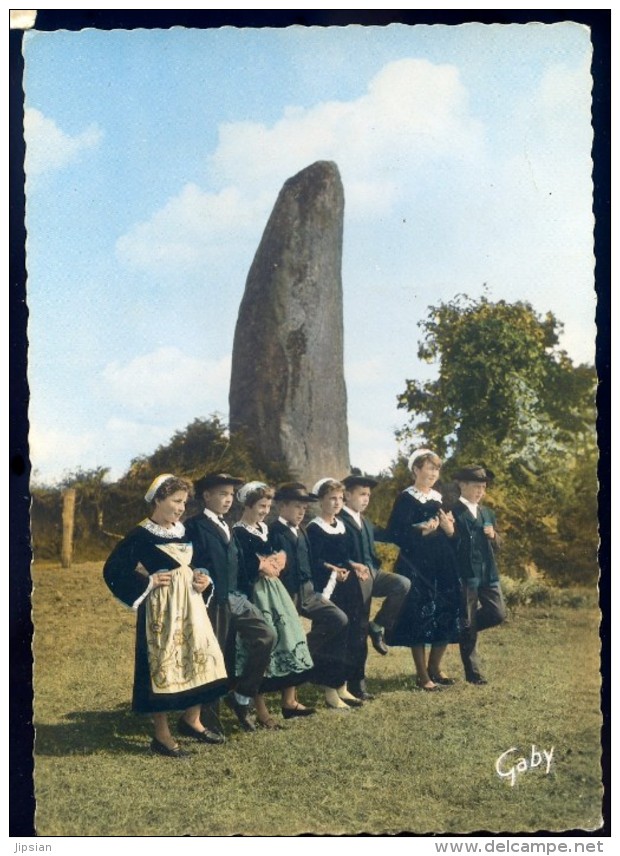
column 231, row 610
column 393, row 587
column 327, row 638
column 476, row 541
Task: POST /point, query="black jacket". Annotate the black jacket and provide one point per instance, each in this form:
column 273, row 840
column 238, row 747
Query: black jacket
column 361, row 542
column 221, row 558
column 298, row 568
column 472, row 544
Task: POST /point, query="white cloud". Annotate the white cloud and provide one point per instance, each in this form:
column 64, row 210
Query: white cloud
column 413, row 112
column 56, row 453
column 166, row 382
column 49, row 148
column 370, row 449
column 192, row 228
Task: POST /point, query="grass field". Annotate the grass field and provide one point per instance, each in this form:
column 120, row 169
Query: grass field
column 408, row 761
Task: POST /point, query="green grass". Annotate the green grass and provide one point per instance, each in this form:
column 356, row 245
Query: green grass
column 408, row 761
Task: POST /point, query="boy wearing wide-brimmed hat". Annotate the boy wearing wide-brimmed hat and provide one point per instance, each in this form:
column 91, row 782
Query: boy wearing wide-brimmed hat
column 327, row 637
column 476, row 541
column 377, row 583
column 230, row 609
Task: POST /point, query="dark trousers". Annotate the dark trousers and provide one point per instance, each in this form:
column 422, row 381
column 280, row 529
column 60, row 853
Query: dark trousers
column 484, row 607
column 239, row 615
column 394, row 588
column 327, row 640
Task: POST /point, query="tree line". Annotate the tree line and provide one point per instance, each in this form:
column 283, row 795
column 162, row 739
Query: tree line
column 505, row 395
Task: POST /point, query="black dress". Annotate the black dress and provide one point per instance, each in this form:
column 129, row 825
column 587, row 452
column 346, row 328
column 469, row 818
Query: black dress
column 431, row 612
column 329, row 543
column 290, row 663
column 178, row 662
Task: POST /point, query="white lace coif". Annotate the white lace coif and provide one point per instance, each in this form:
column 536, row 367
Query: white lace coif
column 246, row 489
column 155, row 485
column 420, row 452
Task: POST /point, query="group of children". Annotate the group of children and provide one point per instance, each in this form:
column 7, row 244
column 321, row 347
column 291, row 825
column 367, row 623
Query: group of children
column 257, row 580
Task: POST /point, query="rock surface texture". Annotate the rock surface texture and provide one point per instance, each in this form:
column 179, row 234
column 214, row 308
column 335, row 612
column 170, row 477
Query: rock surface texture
column 287, row 385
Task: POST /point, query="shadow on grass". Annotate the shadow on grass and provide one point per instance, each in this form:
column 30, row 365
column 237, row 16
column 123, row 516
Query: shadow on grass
column 122, row 732
column 88, row 731
column 393, row 684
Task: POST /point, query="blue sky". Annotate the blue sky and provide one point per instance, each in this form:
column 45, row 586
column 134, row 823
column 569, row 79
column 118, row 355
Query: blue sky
column 154, row 158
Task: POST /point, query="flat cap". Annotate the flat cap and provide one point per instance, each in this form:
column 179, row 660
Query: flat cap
column 294, row 491
column 215, row 480
column 473, row 473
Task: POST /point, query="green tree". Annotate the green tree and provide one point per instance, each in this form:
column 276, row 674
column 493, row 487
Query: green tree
column 503, row 382
column 508, row 396
column 205, row 445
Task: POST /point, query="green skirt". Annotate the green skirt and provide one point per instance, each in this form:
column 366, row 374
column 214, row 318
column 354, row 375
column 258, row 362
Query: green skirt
column 290, row 663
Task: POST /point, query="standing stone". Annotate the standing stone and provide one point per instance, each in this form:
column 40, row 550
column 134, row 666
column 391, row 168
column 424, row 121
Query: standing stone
column 287, row 386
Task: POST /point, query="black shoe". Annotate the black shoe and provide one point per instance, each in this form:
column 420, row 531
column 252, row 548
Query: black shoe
column 159, row 749
column 205, row 736
column 292, row 712
column 376, row 637
column 359, row 690
column 242, row 712
column 476, row 679
column 445, row 682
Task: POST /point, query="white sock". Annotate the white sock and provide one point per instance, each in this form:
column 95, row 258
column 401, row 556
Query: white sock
column 242, row 699
column 332, row 698
column 344, row 693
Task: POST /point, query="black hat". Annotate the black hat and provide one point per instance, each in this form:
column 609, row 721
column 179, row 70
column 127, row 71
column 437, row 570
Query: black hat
column 356, row 479
column 294, row 492
column 215, row 480
column 473, row 473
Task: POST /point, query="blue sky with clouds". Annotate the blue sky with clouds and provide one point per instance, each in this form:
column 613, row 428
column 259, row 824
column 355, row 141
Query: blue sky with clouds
column 154, row 158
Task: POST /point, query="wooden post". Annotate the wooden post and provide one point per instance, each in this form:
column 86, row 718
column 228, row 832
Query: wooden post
column 68, row 517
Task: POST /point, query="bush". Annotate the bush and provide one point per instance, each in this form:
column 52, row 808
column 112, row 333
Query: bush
column 536, row 592
column 525, row 592
column 388, row 553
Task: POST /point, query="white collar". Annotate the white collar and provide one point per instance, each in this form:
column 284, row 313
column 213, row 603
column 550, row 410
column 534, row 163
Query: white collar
column 356, row 515
column 175, row 531
column 294, row 529
column 259, row 530
column 338, row 529
column 472, row 507
column 215, row 518
column 424, row 497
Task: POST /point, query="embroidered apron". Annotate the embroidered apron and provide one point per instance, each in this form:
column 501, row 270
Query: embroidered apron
column 183, row 652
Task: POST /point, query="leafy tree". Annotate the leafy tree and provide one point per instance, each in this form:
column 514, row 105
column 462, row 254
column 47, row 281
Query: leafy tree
column 503, row 383
column 507, row 396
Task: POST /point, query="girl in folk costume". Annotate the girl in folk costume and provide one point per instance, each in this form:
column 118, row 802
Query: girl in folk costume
column 178, row 662
column 336, row 576
column 290, row 662
column 423, row 531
